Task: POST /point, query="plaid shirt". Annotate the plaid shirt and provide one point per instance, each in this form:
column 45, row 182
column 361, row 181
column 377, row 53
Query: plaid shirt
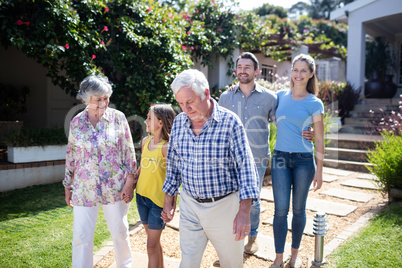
column 216, row 162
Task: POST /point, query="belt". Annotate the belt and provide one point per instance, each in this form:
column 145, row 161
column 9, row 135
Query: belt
column 209, row 200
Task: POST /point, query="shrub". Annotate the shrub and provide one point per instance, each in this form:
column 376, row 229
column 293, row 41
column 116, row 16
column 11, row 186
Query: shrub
column 386, row 158
column 36, row 137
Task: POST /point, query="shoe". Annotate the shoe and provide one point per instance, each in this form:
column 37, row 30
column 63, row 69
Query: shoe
column 216, row 264
column 297, row 263
column 276, row 266
column 251, row 247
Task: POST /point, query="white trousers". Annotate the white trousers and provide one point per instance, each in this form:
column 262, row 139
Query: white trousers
column 84, row 228
column 200, row 222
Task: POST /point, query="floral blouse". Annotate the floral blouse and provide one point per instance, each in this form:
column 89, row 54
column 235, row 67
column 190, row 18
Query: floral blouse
column 98, row 159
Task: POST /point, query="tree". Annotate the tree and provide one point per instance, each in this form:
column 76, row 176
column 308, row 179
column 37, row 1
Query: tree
column 318, row 9
column 267, row 9
column 137, row 44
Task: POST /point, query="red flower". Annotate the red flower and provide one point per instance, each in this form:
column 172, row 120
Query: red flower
column 66, row 46
column 169, row 74
column 106, row 9
column 220, row 29
column 105, row 29
column 150, row 8
column 19, row 22
column 102, row 42
column 93, row 57
column 192, row 48
column 183, row 47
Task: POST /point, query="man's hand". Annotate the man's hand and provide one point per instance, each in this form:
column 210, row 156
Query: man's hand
column 67, row 196
column 232, row 88
column 241, row 223
column 169, row 207
column 308, row 134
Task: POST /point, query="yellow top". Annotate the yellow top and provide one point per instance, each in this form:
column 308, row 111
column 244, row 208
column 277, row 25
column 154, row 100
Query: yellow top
column 152, row 174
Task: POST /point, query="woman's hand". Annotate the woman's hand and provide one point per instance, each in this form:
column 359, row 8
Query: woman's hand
column 67, row 196
column 317, row 182
column 127, row 193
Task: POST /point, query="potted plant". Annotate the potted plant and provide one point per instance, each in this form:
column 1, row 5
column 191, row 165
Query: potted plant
column 379, row 69
column 35, row 145
column 12, row 104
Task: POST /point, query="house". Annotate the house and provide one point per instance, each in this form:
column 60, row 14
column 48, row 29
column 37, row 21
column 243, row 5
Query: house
column 48, row 105
column 370, row 18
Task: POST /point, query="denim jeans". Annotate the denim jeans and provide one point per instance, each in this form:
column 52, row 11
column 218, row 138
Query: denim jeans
column 256, row 207
column 290, row 170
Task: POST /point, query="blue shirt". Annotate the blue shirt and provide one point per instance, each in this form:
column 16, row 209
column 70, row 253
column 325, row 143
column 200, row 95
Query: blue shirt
column 256, row 112
column 216, row 162
column 292, row 118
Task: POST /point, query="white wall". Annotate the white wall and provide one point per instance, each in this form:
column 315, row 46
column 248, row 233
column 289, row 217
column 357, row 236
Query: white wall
column 20, row 178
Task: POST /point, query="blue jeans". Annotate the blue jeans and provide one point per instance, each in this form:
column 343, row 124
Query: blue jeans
column 256, row 207
column 290, row 170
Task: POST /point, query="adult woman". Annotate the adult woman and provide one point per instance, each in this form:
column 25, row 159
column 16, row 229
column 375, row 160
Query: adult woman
column 293, row 165
column 100, row 167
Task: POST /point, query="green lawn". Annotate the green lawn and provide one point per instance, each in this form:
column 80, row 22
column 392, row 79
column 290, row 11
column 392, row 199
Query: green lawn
column 377, row 245
column 36, row 227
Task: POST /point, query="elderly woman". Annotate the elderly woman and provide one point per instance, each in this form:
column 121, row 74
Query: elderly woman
column 100, row 167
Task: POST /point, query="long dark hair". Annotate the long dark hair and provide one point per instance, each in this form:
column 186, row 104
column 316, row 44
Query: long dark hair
column 165, row 113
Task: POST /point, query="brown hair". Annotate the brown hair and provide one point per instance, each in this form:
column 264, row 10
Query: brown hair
column 312, row 84
column 165, row 113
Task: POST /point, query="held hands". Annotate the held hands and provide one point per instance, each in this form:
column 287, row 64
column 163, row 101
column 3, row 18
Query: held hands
column 127, row 193
column 169, row 207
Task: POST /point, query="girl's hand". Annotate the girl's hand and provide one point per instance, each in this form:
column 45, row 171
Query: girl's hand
column 232, row 88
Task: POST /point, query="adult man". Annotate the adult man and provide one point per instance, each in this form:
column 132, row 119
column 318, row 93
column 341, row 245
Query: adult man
column 209, row 155
column 255, row 105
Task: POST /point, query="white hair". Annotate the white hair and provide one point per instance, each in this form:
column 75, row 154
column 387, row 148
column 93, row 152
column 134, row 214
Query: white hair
column 94, row 85
column 193, row 79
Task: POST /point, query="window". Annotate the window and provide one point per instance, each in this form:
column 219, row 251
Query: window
column 268, row 73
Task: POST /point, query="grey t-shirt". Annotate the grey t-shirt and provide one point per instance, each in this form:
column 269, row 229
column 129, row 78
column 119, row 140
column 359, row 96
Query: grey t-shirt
column 255, row 112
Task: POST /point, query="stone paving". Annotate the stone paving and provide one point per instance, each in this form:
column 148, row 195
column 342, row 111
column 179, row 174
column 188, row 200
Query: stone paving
column 266, row 243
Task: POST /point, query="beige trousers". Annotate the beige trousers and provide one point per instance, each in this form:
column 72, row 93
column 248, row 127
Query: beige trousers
column 200, row 222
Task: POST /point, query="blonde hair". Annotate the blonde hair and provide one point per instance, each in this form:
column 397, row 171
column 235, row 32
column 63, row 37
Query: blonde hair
column 312, row 84
column 166, row 114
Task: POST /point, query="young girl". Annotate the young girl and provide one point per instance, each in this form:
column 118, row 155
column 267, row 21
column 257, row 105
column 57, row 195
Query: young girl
column 152, row 172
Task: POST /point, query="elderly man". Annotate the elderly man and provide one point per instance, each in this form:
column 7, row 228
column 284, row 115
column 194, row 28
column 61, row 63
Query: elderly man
column 209, row 155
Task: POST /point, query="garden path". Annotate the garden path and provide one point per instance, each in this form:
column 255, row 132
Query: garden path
column 348, row 198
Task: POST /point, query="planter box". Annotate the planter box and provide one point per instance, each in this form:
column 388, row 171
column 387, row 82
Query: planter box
column 36, row 153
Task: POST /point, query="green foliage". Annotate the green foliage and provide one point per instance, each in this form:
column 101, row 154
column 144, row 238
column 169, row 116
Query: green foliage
column 137, row 44
column 36, row 137
column 386, row 158
column 36, row 227
column 142, row 45
column 12, row 101
column 276, row 37
column 267, row 9
column 210, row 30
column 377, row 245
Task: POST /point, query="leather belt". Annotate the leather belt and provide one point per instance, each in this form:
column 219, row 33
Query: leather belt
column 209, row 200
